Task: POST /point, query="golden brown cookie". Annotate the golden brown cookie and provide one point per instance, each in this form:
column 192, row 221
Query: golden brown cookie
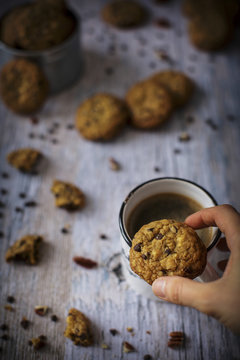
column 24, row 159
column 67, row 195
column 23, row 86
column 78, row 328
column 101, row 117
column 167, row 247
column 25, row 249
column 150, row 104
column 179, row 85
column 124, row 13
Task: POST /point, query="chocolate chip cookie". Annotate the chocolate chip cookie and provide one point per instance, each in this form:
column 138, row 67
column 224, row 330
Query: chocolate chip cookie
column 78, row 328
column 23, row 86
column 25, row 249
column 124, row 14
column 150, row 104
column 101, row 117
column 68, row 196
column 179, row 85
column 167, row 247
column 25, row 159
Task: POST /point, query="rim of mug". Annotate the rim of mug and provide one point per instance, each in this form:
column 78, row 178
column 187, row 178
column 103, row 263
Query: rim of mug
column 132, row 192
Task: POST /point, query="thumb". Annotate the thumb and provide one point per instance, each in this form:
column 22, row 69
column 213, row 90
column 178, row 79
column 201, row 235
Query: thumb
column 182, row 291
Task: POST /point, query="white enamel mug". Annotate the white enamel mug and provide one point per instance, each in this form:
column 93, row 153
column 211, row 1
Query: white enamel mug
column 154, row 187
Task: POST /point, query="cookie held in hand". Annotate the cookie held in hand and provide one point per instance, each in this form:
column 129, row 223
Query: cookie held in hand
column 165, row 248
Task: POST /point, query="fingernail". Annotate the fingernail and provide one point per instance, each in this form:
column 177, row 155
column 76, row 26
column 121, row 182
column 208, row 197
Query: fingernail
column 158, row 287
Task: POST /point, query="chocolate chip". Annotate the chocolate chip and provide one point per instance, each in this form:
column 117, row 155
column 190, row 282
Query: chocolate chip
column 159, row 236
column 56, row 124
column 31, row 135
column 70, row 126
column 137, row 247
column 18, row 209
column 1, row 215
column 190, row 119
column 5, row 337
column 156, row 169
column 85, row 262
column 147, row 357
column 25, row 323
column 144, row 257
column 42, row 137
column 30, row 203
column 64, row 231
column 103, row 237
column 230, row 117
column 42, row 337
column 163, row 23
column 83, row 336
column 54, row 141
column 22, row 195
column 188, row 270
column 109, row 70
column 2, row 205
column 113, row 332
column 10, row 299
column 4, row 191
column 4, row 327
column 54, row 318
column 5, row 175
column 177, row 151
column 150, row 229
column 1, row 234
column 34, row 120
column 167, row 251
column 211, row 123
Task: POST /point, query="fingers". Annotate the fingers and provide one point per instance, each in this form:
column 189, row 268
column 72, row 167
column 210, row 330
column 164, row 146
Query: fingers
column 223, row 216
column 182, row 291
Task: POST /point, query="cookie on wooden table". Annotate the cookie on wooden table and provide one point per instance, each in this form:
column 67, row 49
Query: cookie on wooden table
column 78, row 328
column 25, row 249
column 24, row 159
column 23, row 86
column 150, row 104
column 177, row 83
column 101, row 117
column 67, row 195
column 167, row 247
column 124, row 13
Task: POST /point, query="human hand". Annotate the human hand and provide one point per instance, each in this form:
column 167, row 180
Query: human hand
column 220, row 298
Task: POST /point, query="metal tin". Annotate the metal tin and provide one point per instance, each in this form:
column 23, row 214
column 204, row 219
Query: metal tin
column 62, row 64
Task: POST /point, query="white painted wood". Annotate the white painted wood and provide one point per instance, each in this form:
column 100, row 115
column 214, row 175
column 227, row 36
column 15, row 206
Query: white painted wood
column 211, row 159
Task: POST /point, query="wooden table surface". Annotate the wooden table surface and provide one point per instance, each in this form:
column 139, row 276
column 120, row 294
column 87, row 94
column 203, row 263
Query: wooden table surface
column 114, row 60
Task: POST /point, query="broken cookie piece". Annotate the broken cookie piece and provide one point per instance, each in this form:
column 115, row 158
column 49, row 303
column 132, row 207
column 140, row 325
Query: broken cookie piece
column 67, row 195
column 25, row 249
column 24, row 159
column 78, row 328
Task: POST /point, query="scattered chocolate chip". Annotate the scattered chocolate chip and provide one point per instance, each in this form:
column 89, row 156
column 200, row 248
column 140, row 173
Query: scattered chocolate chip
column 190, row 119
column 22, row 195
column 211, row 123
column 30, row 342
column 127, row 347
column 167, row 251
column 41, row 310
column 144, row 257
column 4, row 327
column 34, row 120
column 162, row 23
column 177, row 151
column 31, row 135
column 18, row 209
column 54, row 318
column 230, row 117
column 38, row 343
column 156, row 169
column 42, row 137
column 51, row 131
column 4, row 191
column 56, row 124
column 64, row 231
column 162, row 55
column 147, row 357
column 42, row 337
column 70, row 126
column 85, row 262
column 159, row 236
column 54, row 141
column 103, row 237
column 109, row 71
column 25, row 323
column 137, row 247
column 10, row 299
column 184, row 137
column 113, row 332
column 30, row 204
column 148, row 332
column 5, row 175
column 141, row 53
column 5, row 337
column 188, row 270
column 1, row 234
column 111, row 49
column 114, row 165
column 1, row 215
column 2, row 205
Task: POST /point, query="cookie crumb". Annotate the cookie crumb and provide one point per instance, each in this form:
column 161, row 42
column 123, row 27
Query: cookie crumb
column 163, row 23
column 130, row 329
column 38, row 342
column 148, row 332
column 105, row 346
column 30, row 203
column 34, row 120
column 85, row 262
column 54, row 318
column 41, row 310
column 1, row 234
column 5, row 337
column 114, row 165
column 9, row 308
column 147, row 357
column 127, row 347
column 103, row 237
column 10, row 299
column 22, row 195
column 162, row 55
column 4, row 327
column 18, row 209
column 184, row 136
column 157, row 169
column 64, row 230
column 4, row 191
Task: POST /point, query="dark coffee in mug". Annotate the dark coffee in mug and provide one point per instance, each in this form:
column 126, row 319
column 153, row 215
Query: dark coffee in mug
column 165, row 206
